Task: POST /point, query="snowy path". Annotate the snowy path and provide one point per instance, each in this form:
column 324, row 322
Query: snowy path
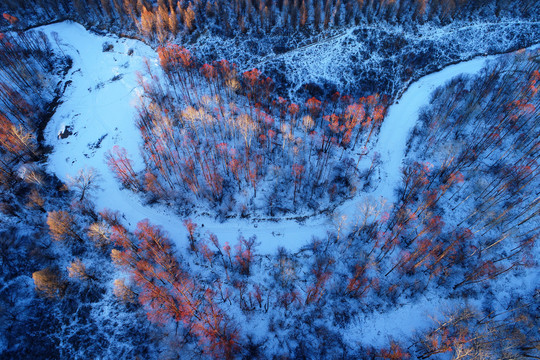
column 99, row 107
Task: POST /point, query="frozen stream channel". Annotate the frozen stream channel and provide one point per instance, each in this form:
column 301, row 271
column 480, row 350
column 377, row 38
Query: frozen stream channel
column 98, row 107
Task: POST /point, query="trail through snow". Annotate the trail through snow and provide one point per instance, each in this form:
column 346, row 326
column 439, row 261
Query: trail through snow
column 99, row 106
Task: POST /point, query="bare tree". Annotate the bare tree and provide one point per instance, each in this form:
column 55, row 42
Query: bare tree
column 100, row 233
column 49, row 283
column 123, row 292
column 35, row 200
column 85, row 182
column 62, row 226
column 77, row 270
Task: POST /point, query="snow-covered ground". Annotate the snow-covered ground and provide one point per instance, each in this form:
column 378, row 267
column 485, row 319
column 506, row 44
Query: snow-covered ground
column 98, row 106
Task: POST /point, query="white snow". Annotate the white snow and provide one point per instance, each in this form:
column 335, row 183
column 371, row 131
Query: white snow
column 95, row 105
column 376, row 329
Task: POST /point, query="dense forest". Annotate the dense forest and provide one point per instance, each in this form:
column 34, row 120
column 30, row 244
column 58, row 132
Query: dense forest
column 436, row 261
column 165, row 19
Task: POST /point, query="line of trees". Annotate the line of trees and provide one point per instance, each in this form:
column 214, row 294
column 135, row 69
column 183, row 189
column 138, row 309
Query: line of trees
column 163, row 19
column 468, row 333
column 26, row 60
